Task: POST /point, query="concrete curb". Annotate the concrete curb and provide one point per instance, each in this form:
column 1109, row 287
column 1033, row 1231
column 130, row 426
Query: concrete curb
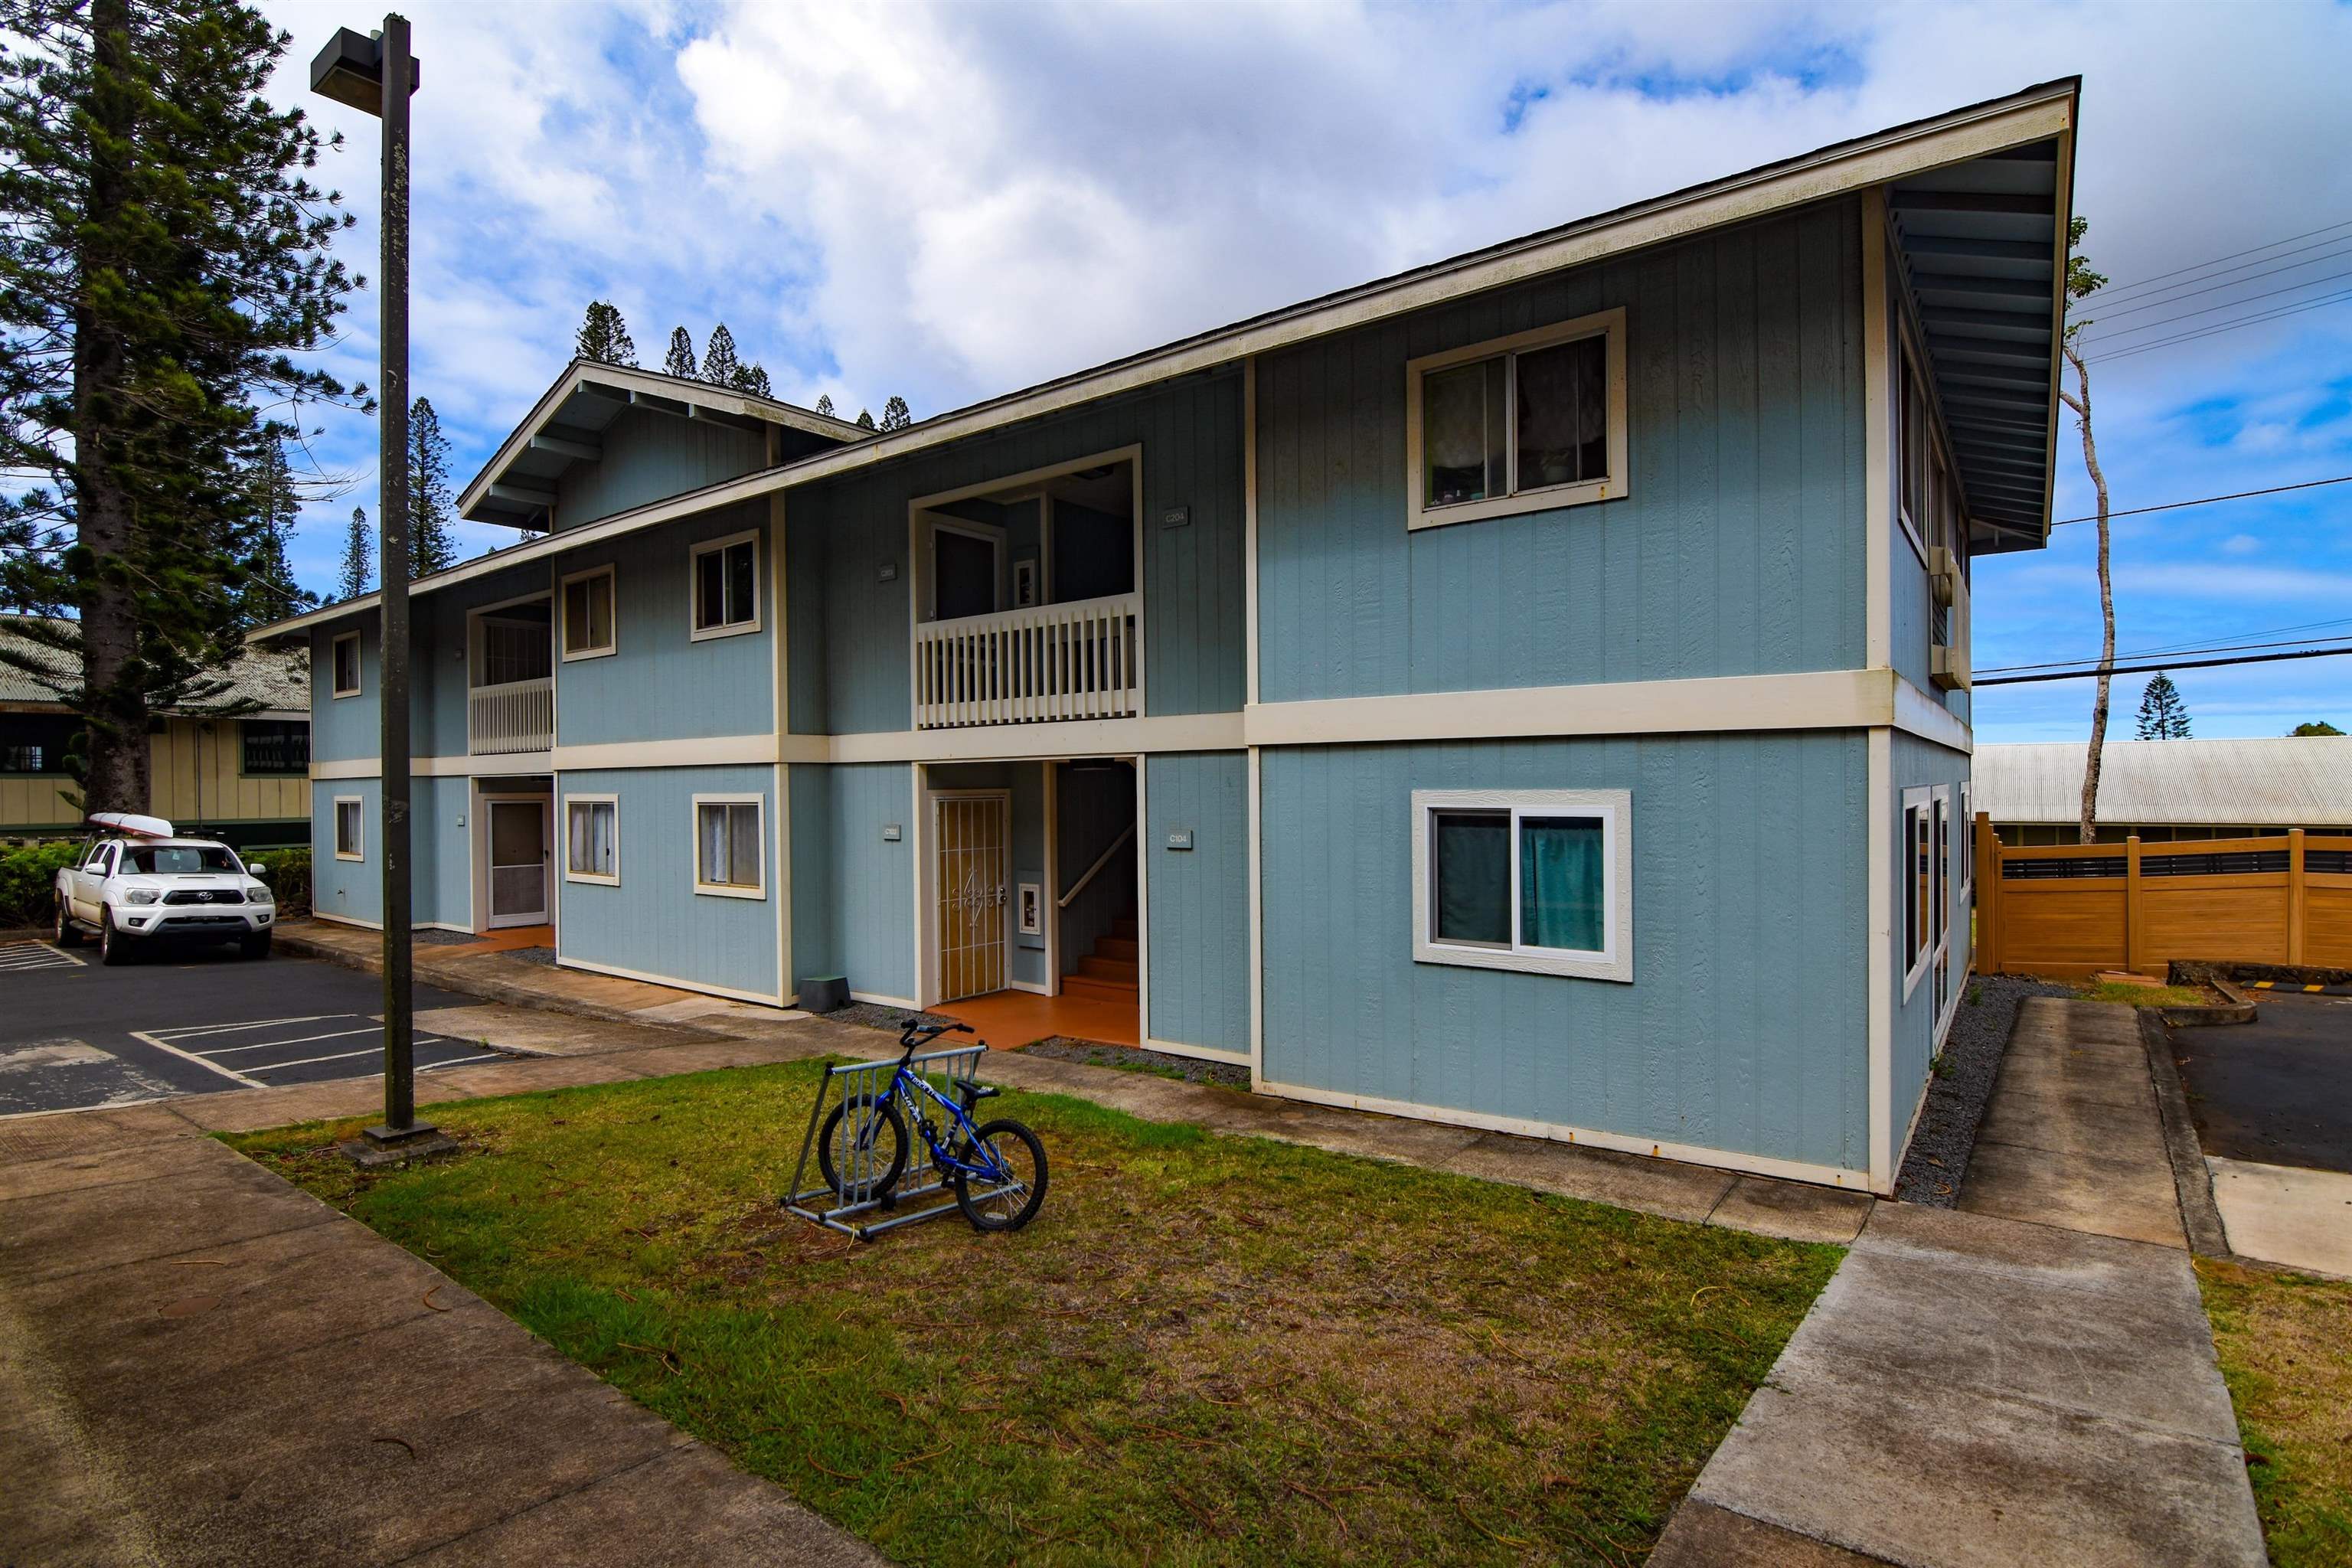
column 451, row 976
column 2192, row 1180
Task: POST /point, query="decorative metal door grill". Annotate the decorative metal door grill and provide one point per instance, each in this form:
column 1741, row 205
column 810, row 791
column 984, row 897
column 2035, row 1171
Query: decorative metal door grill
column 972, row 894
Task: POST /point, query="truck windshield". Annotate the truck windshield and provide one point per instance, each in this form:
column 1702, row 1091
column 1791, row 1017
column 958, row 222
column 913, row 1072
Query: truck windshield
column 178, row 859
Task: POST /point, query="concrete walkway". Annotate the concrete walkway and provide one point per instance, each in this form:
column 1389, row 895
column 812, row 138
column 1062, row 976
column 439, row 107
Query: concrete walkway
column 2029, row 1380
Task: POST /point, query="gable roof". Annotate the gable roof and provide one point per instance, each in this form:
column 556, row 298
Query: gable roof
column 2293, row 781
column 279, row 679
column 515, row 485
column 2042, row 115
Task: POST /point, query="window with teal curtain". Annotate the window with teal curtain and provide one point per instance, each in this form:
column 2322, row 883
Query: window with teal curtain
column 1474, row 877
column 1561, row 883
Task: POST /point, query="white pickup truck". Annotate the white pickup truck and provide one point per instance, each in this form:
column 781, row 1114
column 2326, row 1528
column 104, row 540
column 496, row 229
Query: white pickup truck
column 135, row 884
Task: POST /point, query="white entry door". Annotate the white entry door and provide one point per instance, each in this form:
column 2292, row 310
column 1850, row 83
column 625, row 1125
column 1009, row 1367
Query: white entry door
column 519, row 862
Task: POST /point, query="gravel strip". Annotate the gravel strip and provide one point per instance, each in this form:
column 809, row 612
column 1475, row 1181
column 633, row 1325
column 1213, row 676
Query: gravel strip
column 1129, row 1058
column 874, row 1016
column 1947, row 1136
column 429, row 936
column 544, row 956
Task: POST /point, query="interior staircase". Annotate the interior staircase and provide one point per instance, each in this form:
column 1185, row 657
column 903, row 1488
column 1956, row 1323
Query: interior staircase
column 1109, row 972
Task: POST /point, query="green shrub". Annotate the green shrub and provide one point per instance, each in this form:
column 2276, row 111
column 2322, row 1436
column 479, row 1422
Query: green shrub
column 287, row 872
column 28, row 878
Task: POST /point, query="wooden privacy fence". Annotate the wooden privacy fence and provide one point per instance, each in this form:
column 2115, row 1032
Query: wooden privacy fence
column 2069, row 911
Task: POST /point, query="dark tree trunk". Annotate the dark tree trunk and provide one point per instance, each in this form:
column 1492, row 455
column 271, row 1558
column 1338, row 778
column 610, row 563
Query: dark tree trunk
column 119, row 774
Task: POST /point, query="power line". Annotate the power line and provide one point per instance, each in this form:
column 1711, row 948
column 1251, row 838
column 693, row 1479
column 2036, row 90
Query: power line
column 2173, row 297
column 2097, row 338
column 2171, row 664
column 2208, row 501
column 2139, row 291
column 2146, row 283
column 2223, row 327
column 2154, row 652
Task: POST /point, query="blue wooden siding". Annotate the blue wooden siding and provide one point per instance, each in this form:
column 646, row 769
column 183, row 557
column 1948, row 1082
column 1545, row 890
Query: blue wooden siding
column 853, row 891
column 1915, row 763
column 343, row 729
column 649, row 456
column 1738, row 552
column 1198, row 925
column 1744, row 1029
column 440, row 828
column 1026, row 786
column 352, row 888
column 850, row 627
column 662, row 685
column 655, row 922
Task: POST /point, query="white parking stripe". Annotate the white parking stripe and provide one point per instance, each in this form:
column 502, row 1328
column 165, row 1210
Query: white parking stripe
column 258, row 1024
column 163, row 1045
column 297, row 1040
column 460, row 1061
column 306, row 1061
column 21, row 955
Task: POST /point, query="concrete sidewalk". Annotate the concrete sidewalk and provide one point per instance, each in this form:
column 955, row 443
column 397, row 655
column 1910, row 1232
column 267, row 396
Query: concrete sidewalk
column 2029, row 1380
column 202, row 1365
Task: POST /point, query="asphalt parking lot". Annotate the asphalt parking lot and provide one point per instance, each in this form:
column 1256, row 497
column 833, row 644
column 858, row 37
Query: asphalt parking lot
column 2277, row 1090
column 74, row 1035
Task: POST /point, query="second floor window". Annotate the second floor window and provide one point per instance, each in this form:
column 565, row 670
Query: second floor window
column 1520, row 423
column 727, row 586
column 588, row 613
column 274, row 748
column 347, row 665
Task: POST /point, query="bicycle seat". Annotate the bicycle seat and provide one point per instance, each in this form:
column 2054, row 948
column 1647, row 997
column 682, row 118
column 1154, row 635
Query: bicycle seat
column 974, row 1093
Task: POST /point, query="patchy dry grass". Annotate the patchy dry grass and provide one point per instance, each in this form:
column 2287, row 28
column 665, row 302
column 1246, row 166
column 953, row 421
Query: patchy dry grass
column 2285, row 1344
column 2132, row 996
column 1206, row 1350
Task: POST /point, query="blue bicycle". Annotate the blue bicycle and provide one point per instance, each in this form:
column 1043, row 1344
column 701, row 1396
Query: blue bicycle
column 997, row 1169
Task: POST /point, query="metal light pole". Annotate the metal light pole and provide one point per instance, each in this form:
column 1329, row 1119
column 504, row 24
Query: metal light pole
column 378, row 74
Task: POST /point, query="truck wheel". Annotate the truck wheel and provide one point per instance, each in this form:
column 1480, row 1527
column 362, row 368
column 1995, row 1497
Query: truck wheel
column 112, row 947
column 69, row 933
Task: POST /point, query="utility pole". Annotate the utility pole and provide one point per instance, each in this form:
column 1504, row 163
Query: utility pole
column 378, row 74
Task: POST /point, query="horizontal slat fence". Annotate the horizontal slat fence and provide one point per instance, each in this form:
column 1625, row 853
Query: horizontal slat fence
column 2069, row 911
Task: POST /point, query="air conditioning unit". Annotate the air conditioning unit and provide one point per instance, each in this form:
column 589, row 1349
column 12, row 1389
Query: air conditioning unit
column 1948, row 657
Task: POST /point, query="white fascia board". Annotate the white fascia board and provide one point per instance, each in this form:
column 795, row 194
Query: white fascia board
column 2037, row 114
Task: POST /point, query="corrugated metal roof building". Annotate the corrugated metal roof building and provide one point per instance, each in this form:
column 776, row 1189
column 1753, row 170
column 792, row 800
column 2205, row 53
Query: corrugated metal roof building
column 2167, row 790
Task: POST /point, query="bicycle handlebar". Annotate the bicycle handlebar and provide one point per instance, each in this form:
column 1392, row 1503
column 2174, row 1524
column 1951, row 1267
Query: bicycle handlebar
column 917, row 1032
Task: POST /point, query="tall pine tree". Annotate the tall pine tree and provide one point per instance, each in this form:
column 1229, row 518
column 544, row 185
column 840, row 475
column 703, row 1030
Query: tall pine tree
column 825, row 403
column 605, row 337
column 679, row 361
column 896, row 416
column 431, row 545
column 864, row 419
column 720, row 365
column 357, row 567
column 269, row 592
column 163, row 253
column 2162, row 715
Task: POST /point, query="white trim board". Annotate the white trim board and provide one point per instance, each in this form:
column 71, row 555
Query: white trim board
column 1561, row 1132
column 2038, row 113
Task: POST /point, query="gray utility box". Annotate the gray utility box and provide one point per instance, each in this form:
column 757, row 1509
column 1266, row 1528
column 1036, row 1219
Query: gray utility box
column 824, row 993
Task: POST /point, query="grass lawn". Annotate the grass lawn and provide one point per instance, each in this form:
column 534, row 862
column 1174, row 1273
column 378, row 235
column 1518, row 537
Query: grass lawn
column 2285, row 1344
column 1206, row 1350
column 2132, row 996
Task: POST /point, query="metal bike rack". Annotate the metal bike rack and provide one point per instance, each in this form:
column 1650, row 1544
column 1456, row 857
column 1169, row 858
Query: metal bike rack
column 860, row 1085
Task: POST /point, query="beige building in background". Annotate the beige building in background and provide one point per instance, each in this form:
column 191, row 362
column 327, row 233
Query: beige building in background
column 2167, row 791
column 244, row 779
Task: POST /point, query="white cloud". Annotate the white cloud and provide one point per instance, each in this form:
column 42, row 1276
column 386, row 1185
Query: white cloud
column 2242, row 544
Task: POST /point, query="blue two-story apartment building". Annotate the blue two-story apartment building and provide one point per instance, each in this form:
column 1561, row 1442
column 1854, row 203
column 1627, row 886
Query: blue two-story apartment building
column 1528, row 692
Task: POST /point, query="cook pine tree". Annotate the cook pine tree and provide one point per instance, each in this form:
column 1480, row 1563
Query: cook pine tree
column 269, row 592
column 679, row 361
column 605, row 336
column 165, row 263
column 2162, row 715
column 431, row 547
column 357, row 569
column 896, row 416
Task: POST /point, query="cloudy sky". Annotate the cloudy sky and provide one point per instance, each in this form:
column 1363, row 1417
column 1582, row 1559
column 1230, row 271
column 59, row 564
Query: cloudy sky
column 947, row 202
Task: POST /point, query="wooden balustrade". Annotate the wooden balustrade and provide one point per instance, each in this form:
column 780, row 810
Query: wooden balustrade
column 1038, row 665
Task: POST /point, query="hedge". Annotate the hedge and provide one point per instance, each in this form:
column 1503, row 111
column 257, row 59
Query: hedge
column 28, row 880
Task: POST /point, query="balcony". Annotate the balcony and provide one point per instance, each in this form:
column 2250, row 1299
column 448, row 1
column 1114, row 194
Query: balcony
column 512, row 716
column 1032, row 665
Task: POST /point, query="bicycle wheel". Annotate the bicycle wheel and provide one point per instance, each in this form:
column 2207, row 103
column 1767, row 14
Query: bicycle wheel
column 861, row 1148
column 1013, row 1203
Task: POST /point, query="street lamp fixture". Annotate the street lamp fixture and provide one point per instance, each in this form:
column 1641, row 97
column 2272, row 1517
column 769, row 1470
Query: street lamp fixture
column 377, row 74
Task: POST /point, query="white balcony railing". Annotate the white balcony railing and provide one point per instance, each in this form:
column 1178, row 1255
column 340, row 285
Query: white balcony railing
column 1032, row 665
column 516, row 716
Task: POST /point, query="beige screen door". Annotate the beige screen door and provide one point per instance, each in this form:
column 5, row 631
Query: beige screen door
column 971, row 833
column 518, row 862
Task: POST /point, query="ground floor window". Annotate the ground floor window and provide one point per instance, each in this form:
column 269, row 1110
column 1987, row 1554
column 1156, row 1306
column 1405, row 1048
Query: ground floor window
column 727, row 839
column 350, row 827
column 592, row 838
column 1537, row 880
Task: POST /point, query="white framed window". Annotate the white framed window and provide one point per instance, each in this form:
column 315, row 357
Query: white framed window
column 724, row 584
column 1540, row 881
column 591, row 839
column 1519, row 423
column 351, row 828
column 345, row 655
column 1925, row 885
column 1968, row 845
column 730, row 858
column 586, row 606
